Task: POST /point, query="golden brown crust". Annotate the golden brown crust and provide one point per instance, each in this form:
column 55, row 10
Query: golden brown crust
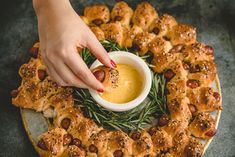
column 180, row 141
column 176, row 77
column 163, row 59
column 84, row 130
column 58, row 102
column 159, row 45
column 176, row 89
column 122, row 12
column 120, row 141
column 205, row 99
column 198, row 52
column 100, row 141
column 98, row 33
column 194, row 148
column 142, row 145
column 34, row 51
column 179, row 109
column 23, row 98
column 30, row 71
column 162, row 141
column 114, row 32
column 74, row 151
column 141, row 42
column 162, row 25
column 203, row 126
column 97, row 14
column 51, row 143
column 175, row 126
column 68, row 118
column 182, row 34
column 107, row 76
column 36, row 95
column 204, row 72
column 144, row 15
column 130, row 35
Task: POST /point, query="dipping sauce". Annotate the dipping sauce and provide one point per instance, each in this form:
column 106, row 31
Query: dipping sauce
column 129, row 85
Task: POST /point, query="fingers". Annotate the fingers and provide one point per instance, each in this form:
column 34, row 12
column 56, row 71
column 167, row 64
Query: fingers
column 98, row 50
column 70, row 70
column 62, row 74
column 80, row 69
column 53, row 74
column 68, row 76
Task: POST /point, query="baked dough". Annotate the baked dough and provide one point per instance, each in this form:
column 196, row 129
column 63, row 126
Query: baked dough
column 162, row 25
column 143, row 144
column 144, row 15
column 205, row 99
column 97, row 14
column 73, row 150
column 130, row 35
column 122, row 12
column 114, row 32
column 187, row 65
column 53, row 141
column 98, row 32
column 141, row 42
column 203, row 126
column 182, row 34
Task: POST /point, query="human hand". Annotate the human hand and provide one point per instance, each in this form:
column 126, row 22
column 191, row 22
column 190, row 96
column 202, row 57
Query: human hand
column 61, row 32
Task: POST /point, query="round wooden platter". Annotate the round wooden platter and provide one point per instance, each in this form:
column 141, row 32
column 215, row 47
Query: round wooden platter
column 35, row 124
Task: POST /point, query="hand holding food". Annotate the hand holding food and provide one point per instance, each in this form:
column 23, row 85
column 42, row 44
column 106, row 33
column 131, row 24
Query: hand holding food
column 107, row 76
column 61, row 32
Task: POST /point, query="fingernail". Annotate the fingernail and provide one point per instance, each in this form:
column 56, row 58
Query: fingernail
column 113, row 64
column 100, row 90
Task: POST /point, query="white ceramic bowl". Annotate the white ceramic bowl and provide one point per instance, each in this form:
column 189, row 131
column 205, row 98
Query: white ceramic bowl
column 122, row 57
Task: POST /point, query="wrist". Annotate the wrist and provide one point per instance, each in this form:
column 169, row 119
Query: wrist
column 51, row 7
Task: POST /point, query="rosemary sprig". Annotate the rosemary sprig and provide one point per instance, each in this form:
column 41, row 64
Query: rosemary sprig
column 112, row 46
column 87, row 57
column 134, row 119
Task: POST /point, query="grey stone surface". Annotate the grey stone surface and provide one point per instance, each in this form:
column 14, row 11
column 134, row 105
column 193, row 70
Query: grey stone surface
column 215, row 22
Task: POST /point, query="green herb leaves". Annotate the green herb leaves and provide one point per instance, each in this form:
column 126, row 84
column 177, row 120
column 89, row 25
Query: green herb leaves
column 134, row 119
column 112, row 46
column 87, row 57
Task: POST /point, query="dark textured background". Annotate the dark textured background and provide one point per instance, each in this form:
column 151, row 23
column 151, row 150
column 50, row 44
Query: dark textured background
column 215, row 22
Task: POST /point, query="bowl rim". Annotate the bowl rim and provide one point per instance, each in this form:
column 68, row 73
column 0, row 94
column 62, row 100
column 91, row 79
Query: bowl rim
column 146, row 86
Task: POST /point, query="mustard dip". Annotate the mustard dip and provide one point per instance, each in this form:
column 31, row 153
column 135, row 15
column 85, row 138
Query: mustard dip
column 130, row 84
